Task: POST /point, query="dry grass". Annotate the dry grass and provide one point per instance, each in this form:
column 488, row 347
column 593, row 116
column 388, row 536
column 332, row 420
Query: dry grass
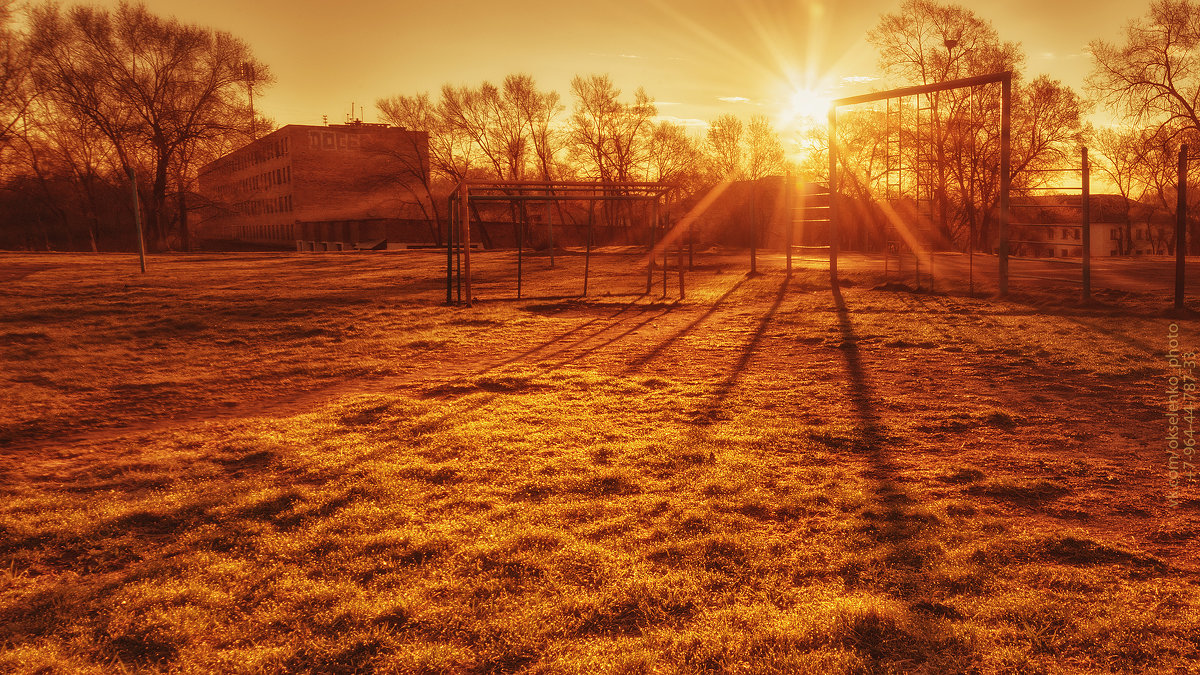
column 307, row 464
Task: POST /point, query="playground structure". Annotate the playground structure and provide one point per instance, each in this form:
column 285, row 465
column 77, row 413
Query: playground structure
column 469, row 194
column 910, row 193
column 912, row 175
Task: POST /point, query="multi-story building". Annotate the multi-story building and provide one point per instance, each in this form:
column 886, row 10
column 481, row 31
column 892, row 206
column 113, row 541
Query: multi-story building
column 1049, row 226
column 341, row 183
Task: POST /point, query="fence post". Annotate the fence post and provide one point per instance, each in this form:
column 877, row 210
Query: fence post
column 1005, row 178
column 1087, row 229
column 1181, row 226
column 833, row 216
column 790, row 203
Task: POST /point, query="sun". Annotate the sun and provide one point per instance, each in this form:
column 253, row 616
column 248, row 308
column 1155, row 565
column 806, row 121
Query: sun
column 806, row 107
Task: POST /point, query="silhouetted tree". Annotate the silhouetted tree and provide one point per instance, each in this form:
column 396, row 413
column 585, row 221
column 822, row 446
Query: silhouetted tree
column 764, row 150
column 157, row 89
column 674, row 157
column 1153, row 79
column 926, row 42
column 608, row 137
column 724, row 143
column 15, row 85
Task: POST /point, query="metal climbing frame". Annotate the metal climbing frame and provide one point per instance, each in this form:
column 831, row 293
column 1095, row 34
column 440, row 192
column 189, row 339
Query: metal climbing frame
column 909, row 172
column 469, row 193
column 1005, row 80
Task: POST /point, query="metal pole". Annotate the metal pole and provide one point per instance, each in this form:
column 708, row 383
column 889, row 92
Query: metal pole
column 1087, row 228
column 449, row 248
column 790, row 203
column 654, row 206
column 137, row 218
column 833, row 224
column 521, row 244
column 464, row 197
column 650, row 259
column 691, row 245
column 971, row 261
column 1181, row 227
column 681, row 288
column 550, row 230
column 754, row 226
column 1005, row 177
column 587, row 256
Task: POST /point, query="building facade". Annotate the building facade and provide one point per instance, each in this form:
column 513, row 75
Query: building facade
column 345, row 183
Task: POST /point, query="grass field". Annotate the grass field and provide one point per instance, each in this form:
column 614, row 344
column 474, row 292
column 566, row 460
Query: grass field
column 307, row 463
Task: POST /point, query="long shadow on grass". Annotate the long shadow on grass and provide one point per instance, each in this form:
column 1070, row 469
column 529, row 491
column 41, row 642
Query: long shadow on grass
column 637, row 363
column 888, row 521
column 560, row 338
column 455, row 386
column 597, row 347
column 711, row 412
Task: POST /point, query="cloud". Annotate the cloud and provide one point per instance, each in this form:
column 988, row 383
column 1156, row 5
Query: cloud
column 859, row 78
column 629, row 56
column 733, row 99
column 689, row 122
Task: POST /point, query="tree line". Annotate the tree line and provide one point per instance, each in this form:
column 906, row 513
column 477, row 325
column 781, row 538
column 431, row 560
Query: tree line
column 93, row 99
column 516, row 131
column 90, row 97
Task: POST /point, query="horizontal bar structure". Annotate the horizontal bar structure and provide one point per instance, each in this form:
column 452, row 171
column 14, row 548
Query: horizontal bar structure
column 561, row 189
column 1002, row 78
column 561, row 198
column 468, row 191
column 975, row 81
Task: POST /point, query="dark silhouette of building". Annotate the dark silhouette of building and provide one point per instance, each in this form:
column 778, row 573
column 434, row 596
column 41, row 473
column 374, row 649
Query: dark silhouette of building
column 346, row 183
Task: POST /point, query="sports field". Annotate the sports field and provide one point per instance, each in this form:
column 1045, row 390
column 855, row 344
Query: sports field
column 308, row 463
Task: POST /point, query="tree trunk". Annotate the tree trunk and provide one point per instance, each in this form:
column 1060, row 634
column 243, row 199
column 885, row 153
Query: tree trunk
column 155, row 228
column 185, row 240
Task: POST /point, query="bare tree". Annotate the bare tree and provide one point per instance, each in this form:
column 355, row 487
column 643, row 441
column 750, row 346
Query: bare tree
column 608, row 137
column 1121, row 152
column 764, row 150
column 674, row 157
column 1153, row 79
column 927, row 42
column 724, row 142
column 157, row 89
column 16, row 89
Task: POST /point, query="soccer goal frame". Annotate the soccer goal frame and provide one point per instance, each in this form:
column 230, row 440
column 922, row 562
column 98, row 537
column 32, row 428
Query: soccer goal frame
column 1005, row 80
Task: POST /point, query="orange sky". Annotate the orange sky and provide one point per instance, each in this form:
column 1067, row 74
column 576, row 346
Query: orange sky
column 697, row 58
